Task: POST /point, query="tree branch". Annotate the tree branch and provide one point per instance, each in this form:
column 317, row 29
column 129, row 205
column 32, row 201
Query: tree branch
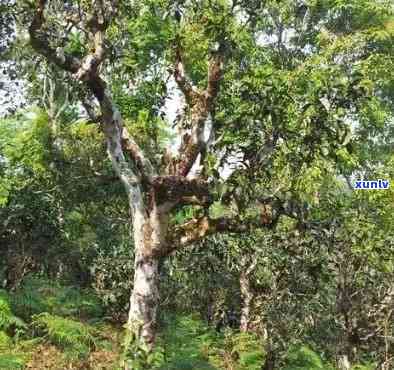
column 201, row 104
column 90, row 108
column 87, row 71
column 204, row 201
column 177, row 189
column 40, row 43
column 199, row 228
column 215, row 74
column 180, row 77
column 97, row 24
column 144, row 165
column 270, row 211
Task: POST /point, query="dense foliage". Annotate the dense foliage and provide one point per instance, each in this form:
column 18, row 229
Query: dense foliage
column 277, row 107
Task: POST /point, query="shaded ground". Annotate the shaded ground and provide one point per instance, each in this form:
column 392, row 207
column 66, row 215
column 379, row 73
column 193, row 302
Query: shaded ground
column 49, row 357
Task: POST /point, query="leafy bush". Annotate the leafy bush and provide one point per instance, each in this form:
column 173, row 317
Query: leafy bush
column 76, row 338
column 8, row 321
column 11, row 362
column 190, row 344
column 28, row 301
column 112, row 271
column 187, row 343
column 303, row 358
column 245, row 349
column 137, row 356
column 9, row 325
column 40, row 295
column 5, row 340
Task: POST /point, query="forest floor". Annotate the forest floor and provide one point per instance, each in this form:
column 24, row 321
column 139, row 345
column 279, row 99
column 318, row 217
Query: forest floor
column 49, row 326
column 52, row 326
column 46, row 325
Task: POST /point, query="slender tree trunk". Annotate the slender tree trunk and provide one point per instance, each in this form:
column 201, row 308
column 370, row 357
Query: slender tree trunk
column 270, row 357
column 269, row 363
column 247, row 298
column 247, row 294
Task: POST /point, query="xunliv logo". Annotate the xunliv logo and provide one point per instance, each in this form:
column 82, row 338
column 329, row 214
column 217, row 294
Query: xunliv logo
column 374, row 184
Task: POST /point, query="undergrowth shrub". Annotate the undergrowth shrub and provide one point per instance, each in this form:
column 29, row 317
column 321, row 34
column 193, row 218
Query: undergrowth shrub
column 9, row 361
column 187, row 343
column 304, row 358
column 8, row 321
column 111, row 272
column 136, row 355
column 10, row 326
column 364, row 367
column 37, row 295
column 5, row 340
column 75, row 338
column 190, row 344
column 243, row 351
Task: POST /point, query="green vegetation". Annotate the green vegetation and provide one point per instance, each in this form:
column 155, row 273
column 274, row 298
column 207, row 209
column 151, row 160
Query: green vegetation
column 70, row 335
column 177, row 185
column 39, row 295
column 8, row 321
column 186, row 342
column 11, row 362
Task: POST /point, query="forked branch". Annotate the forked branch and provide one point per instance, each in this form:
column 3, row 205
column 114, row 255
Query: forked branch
column 87, row 71
column 201, row 105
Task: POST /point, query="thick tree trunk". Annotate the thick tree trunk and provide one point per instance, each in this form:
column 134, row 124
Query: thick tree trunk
column 149, row 195
column 149, row 239
column 144, row 298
